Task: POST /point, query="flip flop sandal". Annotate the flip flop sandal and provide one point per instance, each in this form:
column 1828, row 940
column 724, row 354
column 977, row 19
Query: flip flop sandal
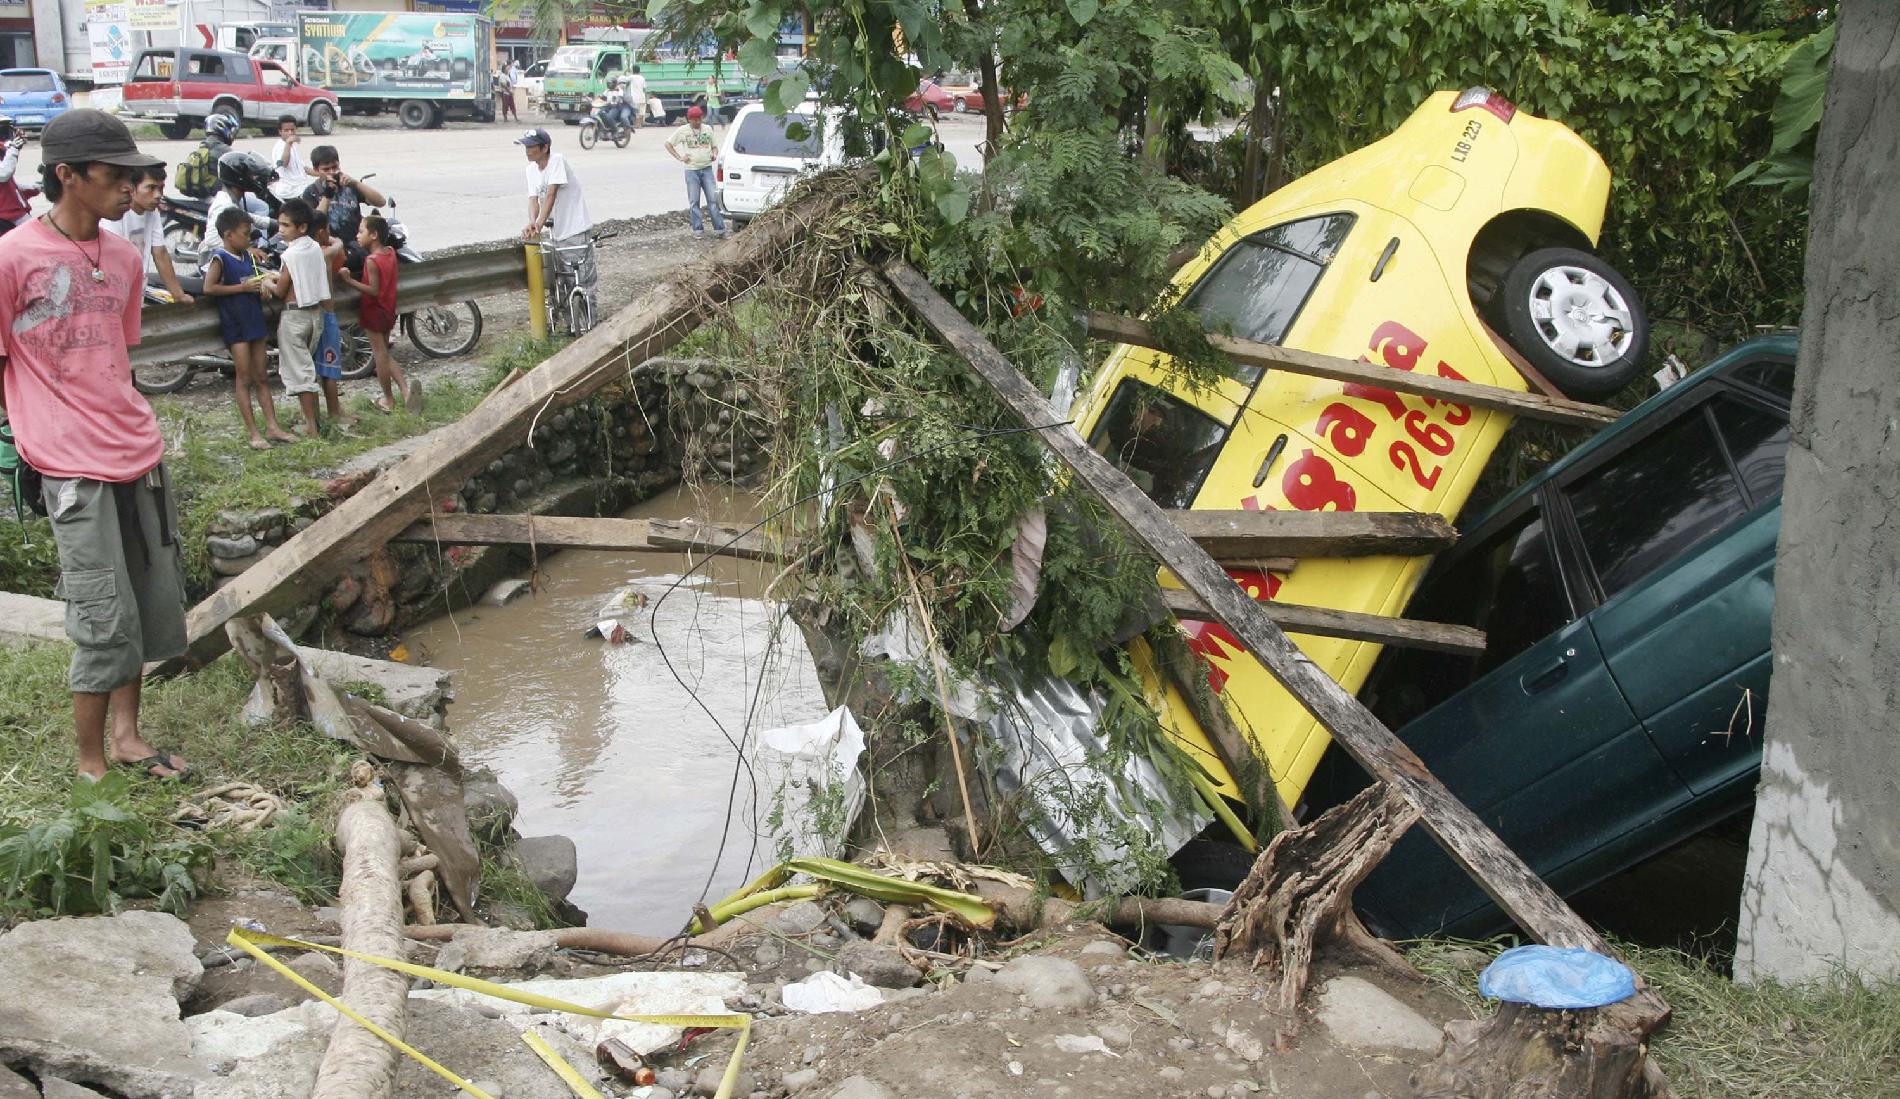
column 156, row 759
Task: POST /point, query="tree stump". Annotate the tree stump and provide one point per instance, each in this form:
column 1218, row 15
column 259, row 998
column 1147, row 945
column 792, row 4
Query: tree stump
column 1525, row 1052
column 1298, row 897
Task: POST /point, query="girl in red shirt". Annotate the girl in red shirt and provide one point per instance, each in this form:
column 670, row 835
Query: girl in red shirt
column 376, row 311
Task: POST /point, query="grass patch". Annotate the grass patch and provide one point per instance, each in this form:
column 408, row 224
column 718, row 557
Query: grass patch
column 505, row 883
column 1830, row 1039
column 213, row 467
column 196, row 716
column 29, row 562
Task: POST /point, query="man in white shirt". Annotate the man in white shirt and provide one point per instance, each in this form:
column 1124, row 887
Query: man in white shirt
column 555, row 201
column 637, row 94
column 143, row 226
column 287, row 156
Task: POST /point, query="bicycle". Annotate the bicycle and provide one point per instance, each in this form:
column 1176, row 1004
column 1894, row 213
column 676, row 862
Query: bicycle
column 567, row 304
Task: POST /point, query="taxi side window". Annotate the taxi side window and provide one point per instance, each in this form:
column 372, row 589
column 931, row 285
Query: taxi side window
column 1655, row 501
column 1164, row 445
column 1507, row 585
column 1256, row 289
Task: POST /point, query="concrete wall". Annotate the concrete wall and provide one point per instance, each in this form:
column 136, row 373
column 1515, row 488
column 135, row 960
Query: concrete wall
column 1823, row 884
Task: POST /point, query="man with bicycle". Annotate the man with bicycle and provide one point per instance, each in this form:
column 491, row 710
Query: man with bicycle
column 555, row 202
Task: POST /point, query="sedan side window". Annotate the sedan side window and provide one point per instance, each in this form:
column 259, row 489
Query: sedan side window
column 1654, row 501
column 1758, row 442
column 1508, row 585
column 1257, row 287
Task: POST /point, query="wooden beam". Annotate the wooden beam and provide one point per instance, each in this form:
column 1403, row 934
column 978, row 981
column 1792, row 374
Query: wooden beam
column 450, row 455
column 579, row 532
column 1352, row 625
column 1536, row 406
column 1492, row 864
column 1231, row 534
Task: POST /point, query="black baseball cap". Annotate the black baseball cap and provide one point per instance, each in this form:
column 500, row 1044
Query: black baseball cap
column 536, row 136
column 83, row 135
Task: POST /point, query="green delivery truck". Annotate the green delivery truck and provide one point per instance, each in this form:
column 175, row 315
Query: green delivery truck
column 677, row 77
column 425, row 66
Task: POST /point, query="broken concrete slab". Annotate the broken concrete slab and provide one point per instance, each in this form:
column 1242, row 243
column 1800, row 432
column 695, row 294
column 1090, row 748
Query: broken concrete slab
column 488, row 949
column 26, row 618
column 14, row 1086
column 1362, row 1015
column 113, row 1021
column 411, row 690
column 52, row 1087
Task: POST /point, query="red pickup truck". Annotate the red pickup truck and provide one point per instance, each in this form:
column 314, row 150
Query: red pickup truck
column 179, row 87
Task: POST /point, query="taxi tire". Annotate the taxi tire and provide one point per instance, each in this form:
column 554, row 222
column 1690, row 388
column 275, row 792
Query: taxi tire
column 1211, row 864
column 1511, row 308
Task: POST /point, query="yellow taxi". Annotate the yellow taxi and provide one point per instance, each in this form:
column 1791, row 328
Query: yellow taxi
column 1473, row 217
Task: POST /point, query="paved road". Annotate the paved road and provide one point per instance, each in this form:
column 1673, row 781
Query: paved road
column 463, row 184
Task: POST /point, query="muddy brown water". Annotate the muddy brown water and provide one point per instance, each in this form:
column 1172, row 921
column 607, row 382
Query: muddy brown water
column 607, row 745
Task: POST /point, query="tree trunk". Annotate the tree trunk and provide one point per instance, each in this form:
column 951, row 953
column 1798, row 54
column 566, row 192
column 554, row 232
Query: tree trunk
column 359, row 1065
column 1298, row 897
column 1524, row 1052
column 991, row 89
column 1250, row 169
column 1823, row 884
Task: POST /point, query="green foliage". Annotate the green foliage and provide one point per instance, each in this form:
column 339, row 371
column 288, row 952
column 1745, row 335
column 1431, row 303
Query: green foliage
column 94, row 855
column 295, row 852
column 1676, row 110
column 29, row 562
column 1796, row 119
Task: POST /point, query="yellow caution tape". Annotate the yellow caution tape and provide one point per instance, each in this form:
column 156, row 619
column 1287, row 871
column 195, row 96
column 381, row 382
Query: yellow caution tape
column 253, row 943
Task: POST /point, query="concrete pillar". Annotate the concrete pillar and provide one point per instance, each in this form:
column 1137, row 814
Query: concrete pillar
column 1823, row 886
column 49, row 35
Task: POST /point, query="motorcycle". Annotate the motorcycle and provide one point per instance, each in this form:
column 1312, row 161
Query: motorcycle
column 438, row 331
column 619, row 132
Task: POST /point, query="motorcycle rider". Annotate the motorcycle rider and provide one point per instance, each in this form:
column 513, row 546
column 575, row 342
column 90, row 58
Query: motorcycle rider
column 244, row 181
column 619, row 113
column 14, row 207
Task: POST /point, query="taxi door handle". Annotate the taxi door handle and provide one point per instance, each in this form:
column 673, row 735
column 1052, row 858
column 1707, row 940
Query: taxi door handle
column 1548, row 677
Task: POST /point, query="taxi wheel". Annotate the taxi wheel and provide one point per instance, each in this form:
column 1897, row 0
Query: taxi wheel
column 1576, row 319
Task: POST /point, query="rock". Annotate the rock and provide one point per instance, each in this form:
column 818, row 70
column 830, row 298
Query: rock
column 52, row 1087
column 491, row 808
column 864, row 914
column 319, row 970
column 882, row 966
column 513, row 916
column 551, row 863
column 493, row 1089
column 344, row 593
column 1362, row 1015
column 1115, row 1034
column 674, row 1080
column 256, row 1004
column 14, row 1086
column 768, row 953
column 260, row 522
column 799, row 1079
column 506, row 591
column 241, row 545
column 1102, row 948
column 1171, row 1073
column 113, row 1020
column 496, row 948
column 233, row 566
column 1049, row 984
column 802, row 918
column 1244, row 1044
column 861, row 1087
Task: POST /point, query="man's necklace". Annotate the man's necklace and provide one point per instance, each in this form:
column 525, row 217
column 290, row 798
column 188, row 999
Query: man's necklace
column 97, row 275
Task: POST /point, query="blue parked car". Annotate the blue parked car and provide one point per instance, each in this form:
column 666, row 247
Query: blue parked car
column 32, row 97
column 1618, row 706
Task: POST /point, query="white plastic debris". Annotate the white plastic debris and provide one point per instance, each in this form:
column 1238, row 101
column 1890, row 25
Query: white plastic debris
column 825, row 991
column 810, row 789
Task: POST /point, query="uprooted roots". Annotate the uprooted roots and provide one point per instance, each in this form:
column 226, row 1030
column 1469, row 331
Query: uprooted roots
column 1298, row 897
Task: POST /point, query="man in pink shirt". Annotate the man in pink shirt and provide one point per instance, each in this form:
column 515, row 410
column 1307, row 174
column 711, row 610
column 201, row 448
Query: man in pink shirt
column 69, row 308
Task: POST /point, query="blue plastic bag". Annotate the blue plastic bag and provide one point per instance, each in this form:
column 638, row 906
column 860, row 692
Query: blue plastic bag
column 330, row 349
column 1557, row 977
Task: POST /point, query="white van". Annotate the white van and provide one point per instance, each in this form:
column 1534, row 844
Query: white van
column 759, row 161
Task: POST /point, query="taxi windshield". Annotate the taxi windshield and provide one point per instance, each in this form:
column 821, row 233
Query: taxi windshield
column 1257, row 288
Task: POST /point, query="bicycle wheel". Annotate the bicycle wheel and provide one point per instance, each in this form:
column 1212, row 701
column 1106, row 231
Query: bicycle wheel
column 590, row 133
column 579, row 317
column 445, row 331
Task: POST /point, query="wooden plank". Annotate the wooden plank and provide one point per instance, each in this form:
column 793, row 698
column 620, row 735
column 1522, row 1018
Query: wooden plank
column 1231, row 534
column 1532, row 375
column 1536, row 406
column 584, row 532
column 450, row 455
column 1492, row 864
column 1326, row 622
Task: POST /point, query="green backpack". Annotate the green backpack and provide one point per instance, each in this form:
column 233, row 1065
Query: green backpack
column 22, row 480
column 197, row 175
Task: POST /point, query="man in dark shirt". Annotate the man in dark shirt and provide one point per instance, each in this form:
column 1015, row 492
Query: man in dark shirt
column 339, row 197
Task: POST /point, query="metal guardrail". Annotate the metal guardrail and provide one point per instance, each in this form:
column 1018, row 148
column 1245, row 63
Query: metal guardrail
column 172, row 332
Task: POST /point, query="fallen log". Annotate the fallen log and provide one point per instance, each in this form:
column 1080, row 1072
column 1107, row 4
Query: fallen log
column 358, row 1064
column 450, row 455
column 1027, row 911
column 1298, row 896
